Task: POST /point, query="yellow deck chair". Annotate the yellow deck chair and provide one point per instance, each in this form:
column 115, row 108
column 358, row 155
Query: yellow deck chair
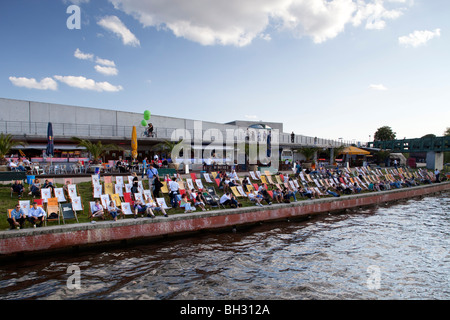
column 116, row 198
column 109, row 188
column 236, row 192
column 164, row 188
column 53, row 207
column 263, row 179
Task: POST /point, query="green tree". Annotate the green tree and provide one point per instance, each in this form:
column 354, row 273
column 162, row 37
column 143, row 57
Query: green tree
column 447, row 132
column 6, row 144
column 308, row 152
column 385, row 134
column 97, row 150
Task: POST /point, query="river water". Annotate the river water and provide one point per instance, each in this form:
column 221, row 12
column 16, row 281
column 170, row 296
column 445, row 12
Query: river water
column 395, row 251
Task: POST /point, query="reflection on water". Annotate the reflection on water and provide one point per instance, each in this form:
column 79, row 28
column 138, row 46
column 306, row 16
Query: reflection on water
column 400, row 251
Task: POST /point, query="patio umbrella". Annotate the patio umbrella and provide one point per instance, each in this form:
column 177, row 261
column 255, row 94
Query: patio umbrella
column 50, row 142
column 134, row 144
column 355, row 151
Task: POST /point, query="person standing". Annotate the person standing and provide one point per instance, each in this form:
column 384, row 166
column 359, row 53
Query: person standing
column 437, row 173
column 173, row 192
column 144, row 167
column 152, row 172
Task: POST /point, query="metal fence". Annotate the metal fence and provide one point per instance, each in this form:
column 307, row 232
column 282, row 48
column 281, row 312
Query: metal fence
column 110, row 131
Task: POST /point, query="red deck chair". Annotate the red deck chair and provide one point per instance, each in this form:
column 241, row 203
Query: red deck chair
column 127, row 198
column 193, row 176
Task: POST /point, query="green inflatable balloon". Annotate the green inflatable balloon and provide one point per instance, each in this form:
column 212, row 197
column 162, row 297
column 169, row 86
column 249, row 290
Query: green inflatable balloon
column 147, row 115
column 144, row 123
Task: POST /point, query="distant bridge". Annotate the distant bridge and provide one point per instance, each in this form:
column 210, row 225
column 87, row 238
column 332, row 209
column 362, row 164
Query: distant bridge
column 429, row 144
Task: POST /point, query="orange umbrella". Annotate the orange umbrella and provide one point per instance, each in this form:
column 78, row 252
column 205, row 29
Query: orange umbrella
column 134, row 143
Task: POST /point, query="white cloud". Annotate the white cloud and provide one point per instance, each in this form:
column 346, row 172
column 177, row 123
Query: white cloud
column 44, row 84
column 418, row 38
column 378, row 87
column 105, row 62
column 238, row 23
column 88, row 84
column 83, row 56
column 108, row 71
column 113, row 24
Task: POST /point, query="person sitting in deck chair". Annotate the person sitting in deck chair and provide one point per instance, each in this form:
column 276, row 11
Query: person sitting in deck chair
column 17, row 187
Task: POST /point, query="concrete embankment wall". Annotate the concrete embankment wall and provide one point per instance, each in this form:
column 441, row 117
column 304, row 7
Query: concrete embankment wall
column 67, row 237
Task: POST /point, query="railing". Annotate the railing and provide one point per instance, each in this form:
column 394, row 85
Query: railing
column 68, row 130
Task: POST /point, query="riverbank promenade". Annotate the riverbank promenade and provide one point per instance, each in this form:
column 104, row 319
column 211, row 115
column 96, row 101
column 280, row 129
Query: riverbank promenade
column 57, row 237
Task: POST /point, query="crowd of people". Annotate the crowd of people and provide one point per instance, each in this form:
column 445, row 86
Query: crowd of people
column 302, row 184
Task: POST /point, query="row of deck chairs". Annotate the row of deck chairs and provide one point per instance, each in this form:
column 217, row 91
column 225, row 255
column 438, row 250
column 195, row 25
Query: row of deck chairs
column 55, row 211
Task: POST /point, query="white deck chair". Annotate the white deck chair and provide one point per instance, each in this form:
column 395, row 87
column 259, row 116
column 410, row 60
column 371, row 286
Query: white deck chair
column 162, row 203
column 190, row 184
column 76, row 204
column 98, row 190
column 46, row 194
column 139, row 197
column 72, row 190
column 59, row 193
column 119, row 180
column 105, row 200
column 118, row 189
column 199, row 184
column 126, row 209
column 147, row 195
column 95, row 179
column 207, row 178
column 25, row 206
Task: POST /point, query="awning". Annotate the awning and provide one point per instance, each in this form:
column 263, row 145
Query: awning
column 44, row 147
column 355, row 151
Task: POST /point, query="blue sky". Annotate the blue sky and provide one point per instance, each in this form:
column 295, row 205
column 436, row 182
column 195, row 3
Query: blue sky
column 331, row 69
